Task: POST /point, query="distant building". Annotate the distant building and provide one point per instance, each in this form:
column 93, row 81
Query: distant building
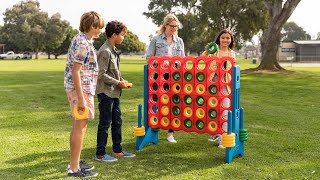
column 299, row 51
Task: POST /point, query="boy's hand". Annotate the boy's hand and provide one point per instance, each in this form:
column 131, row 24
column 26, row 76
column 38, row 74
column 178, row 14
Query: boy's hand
column 122, row 84
column 129, row 85
column 81, row 105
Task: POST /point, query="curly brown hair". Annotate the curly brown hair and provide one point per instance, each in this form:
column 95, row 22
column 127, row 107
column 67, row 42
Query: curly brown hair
column 115, row 27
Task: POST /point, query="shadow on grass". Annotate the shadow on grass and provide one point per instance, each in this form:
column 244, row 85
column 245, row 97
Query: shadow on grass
column 153, row 162
column 41, row 104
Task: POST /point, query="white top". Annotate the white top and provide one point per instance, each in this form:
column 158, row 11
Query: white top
column 170, row 50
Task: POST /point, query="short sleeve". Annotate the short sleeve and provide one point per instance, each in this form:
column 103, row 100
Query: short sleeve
column 80, row 52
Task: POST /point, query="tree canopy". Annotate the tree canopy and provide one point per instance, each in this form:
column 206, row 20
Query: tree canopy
column 4, row 40
column 131, row 43
column 56, row 32
column 63, row 48
column 291, row 31
column 26, row 27
column 203, row 19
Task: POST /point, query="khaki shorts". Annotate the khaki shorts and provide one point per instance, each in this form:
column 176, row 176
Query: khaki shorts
column 73, row 98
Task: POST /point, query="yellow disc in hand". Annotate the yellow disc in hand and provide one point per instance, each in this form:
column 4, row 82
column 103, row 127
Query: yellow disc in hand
column 128, row 84
column 82, row 116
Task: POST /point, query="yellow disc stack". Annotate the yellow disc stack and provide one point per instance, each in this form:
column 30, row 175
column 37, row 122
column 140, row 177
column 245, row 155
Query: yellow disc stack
column 139, row 131
column 228, row 140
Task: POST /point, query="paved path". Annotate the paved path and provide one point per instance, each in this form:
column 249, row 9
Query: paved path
column 301, row 64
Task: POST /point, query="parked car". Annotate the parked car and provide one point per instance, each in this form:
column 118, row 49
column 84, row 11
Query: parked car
column 11, row 55
column 27, row 55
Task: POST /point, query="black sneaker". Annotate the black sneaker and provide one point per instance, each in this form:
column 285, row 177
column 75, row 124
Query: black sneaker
column 82, row 174
column 85, row 167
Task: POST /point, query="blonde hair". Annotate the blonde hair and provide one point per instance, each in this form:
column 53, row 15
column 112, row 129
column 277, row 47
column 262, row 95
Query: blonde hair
column 168, row 19
column 89, row 20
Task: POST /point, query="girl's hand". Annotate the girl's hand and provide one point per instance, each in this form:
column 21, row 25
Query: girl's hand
column 205, row 53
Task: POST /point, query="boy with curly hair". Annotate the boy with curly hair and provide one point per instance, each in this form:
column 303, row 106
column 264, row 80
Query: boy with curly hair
column 109, row 86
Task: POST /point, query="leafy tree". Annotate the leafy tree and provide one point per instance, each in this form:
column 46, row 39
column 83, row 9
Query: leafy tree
column 203, row 19
column 189, row 16
column 63, row 47
column 194, row 34
column 242, row 17
column 25, row 26
column 294, row 32
column 4, row 40
column 99, row 41
column 279, row 12
column 131, row 43
column 56, row 33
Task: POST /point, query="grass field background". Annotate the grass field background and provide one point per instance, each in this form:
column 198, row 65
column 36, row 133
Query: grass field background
column 281, row 115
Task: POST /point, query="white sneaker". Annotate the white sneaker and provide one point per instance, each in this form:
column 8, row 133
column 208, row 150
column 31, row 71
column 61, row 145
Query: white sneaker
column 213, row 138
column 171, row 139
column 221, row 146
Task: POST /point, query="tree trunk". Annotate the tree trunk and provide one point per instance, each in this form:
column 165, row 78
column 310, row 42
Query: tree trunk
column 270, row 39
column 37, row 54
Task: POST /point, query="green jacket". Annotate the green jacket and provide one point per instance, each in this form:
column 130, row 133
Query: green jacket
column 109, row 74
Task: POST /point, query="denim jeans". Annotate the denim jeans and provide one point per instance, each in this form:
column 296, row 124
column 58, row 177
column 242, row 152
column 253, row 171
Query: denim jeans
column 109, row 109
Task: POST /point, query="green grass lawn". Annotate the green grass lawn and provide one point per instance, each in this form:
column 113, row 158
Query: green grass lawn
column 281, row 115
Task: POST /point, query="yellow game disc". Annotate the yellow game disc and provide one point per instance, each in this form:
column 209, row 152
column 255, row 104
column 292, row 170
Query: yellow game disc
column 153, row 120
column 213, row 102
column 200, row 89
column 165, row 110
column 212, row 126
column 128, row 84
column 176, row 123
column 187, row 112
column 164, row 99
column 82, row 116
column 188, row 88
column 164, row 121
column 200, row 113
column 176, row 88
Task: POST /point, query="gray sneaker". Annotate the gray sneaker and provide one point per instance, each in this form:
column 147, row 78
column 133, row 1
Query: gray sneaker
column 84, row 166
column 81, row 174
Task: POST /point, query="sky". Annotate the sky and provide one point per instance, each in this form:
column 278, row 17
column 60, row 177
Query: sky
column 130, row 13
column 127, row 11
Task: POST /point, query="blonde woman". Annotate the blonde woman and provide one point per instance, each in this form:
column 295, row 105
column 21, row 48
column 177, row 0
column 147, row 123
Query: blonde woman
column 167, row 43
